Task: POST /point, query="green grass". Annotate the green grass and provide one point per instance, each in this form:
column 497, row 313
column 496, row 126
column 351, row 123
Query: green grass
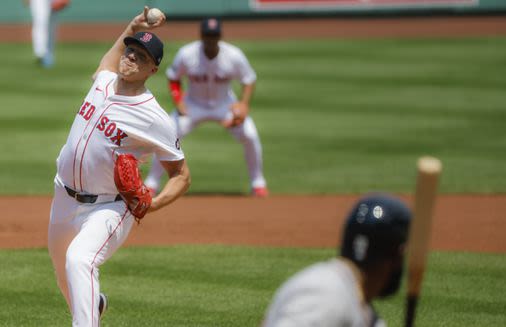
column 335, row 116
column 232, row 286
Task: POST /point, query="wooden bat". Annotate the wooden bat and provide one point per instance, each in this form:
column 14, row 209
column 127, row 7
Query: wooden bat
column 429, row 169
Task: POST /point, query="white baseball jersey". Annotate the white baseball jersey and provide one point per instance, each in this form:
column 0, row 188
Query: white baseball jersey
column 325, row 294
column 107, row 124
column 210, row 79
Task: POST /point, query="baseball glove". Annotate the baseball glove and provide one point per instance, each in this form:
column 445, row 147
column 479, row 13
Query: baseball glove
column 127, row 178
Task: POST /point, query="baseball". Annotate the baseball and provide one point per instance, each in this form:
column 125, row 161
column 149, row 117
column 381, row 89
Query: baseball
column 154, row 15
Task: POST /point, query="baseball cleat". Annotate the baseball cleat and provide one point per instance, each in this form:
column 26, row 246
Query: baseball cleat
column 46, row 61
column 102, row 305
column 260, row 192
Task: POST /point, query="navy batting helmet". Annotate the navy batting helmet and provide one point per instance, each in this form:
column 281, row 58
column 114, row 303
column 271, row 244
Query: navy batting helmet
column 375, row 230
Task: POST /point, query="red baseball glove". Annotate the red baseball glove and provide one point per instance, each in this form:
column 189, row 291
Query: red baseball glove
column 127, row 178
column 57, row 5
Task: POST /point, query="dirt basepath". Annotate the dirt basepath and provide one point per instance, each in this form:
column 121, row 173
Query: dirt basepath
column 468, row 222
column 288, row 29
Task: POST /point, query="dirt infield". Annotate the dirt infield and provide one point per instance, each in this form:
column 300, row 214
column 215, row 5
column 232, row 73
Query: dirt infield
column 467, row 222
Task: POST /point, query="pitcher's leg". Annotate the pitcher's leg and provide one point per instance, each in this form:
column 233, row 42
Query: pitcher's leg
column 102, row 233
column 61, row 231
column 247, row 134
column 59, row 238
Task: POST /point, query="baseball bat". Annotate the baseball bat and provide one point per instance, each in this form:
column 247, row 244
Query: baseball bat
column 429, row 169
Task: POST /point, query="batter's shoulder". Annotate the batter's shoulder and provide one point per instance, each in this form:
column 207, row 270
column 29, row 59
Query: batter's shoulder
column 311, row 298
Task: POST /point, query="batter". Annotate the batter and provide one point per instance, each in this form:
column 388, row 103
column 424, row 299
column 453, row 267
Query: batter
column 89, row 221
column 339, row 292
column 327, row 292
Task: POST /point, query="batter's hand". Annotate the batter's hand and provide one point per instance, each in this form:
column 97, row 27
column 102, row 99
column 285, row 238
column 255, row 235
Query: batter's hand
column 240, row 111
column 140, row 22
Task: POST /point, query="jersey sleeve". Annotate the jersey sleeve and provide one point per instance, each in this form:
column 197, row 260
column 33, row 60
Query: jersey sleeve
column 148, row 127
column 105, row 75
column 102, row 81
column 244, row 71
column 177, row 69
column 168, row 146
column 103, row 78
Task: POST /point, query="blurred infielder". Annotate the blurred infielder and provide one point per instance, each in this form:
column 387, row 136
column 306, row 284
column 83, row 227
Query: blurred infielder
column 210, row 66
column 339, row 292
column 118, row 121
column 44, row 28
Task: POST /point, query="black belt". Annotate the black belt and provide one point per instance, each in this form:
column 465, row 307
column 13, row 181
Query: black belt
column 88, row 198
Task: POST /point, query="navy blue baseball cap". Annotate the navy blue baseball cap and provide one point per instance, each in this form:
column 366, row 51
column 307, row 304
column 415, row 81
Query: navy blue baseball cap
column 148, row 41
column 210, row 27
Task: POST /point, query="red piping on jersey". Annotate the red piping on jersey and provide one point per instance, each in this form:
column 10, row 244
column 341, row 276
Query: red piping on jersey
column 107, row 88
column 93, row 262
column 81, row 138
column 89, row 136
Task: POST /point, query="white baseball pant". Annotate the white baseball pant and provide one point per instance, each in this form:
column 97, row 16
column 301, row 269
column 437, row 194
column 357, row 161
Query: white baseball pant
column 81, row 237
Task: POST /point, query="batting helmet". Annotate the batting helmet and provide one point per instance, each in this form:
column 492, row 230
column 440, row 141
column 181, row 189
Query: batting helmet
column 375, row 229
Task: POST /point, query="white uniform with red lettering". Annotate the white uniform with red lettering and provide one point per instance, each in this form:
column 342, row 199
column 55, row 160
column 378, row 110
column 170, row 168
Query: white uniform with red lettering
column 209, row 97
column 326, row 294
column 85, row 235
